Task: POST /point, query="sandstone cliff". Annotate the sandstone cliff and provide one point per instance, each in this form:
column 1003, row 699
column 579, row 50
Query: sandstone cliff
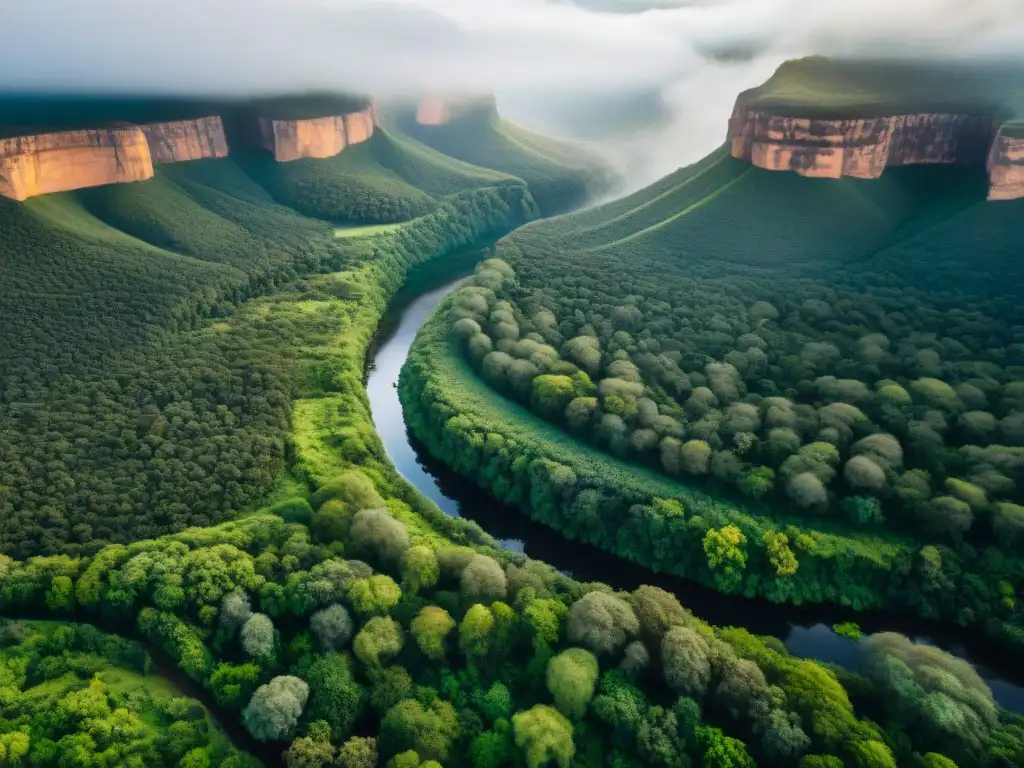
column 1006, row 168
column 181, row 140
column 864, row 147
column 59, row 162
column 318, row 137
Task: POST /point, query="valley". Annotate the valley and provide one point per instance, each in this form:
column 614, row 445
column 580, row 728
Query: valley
column 658, row 445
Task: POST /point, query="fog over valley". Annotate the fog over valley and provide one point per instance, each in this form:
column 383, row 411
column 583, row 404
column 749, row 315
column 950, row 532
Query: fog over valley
column 656, row 85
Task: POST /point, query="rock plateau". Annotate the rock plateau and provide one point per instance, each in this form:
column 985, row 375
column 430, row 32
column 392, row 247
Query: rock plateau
column 864, row 147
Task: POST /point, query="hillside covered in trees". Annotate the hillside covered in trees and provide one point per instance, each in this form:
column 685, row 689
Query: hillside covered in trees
column 187, row 457
column 797, row 388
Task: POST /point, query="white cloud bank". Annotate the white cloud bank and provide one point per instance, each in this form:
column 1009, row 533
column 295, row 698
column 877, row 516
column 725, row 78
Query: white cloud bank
column 527, row 51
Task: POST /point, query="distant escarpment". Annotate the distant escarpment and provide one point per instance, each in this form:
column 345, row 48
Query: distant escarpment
column 198, row 139
column 825, row 119
column 58, row 162
column 318, row 137
column 441, row 111
column 1006, row 167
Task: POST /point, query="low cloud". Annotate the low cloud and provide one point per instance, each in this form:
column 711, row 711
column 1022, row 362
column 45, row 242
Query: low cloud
column 692, row 58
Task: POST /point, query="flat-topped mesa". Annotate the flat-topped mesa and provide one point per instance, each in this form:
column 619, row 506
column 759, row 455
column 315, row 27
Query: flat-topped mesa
column 441, row 111
column 1006, row 167
column 318, row 137
column 180, row 140
column 830, row 118
column 62, row 161
column 861, row 148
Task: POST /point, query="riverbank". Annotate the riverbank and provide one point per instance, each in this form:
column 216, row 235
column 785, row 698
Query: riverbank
column 805, row 628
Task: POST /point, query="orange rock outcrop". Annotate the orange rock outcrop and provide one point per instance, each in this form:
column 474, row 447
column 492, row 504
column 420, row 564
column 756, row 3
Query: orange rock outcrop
column 198, row 139
column 318, row 137
column 864, row 147
column 1006, row 168
column 59, row 162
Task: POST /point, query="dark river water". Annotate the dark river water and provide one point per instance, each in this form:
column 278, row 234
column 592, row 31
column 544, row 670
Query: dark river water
column 805, row 630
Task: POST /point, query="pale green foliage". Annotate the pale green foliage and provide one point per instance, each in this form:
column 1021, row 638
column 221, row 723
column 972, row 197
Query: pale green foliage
column 657, row 611
column 332, row 627
column 429, row 731
column 543, row 734
column 420, row 569
column 571, row 676
column 941, row 699
column 684, row 657
column 358, row 752
column 258, row 635
column 430, row 628
column 807, row 490
column 936, row 393
column 695, row 457
column 374, row 530
column 475, row 630
column 484, row 580
column 602, row 622
column 864, row 474
column 353, row 488
column 274, row 710
column 379, row 639
column 377, row 594
column 234, row 612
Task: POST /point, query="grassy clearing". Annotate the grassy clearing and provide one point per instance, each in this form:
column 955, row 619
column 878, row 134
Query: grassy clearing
column 366, row 231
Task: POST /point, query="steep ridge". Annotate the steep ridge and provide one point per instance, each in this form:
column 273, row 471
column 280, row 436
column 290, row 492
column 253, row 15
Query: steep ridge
column 471, row 129
column 827, row 119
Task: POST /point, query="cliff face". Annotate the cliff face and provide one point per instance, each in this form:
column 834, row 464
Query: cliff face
column 1006, row 168
column 198, row 139
column 864, row 148
column 59, row 162
column 317, row 137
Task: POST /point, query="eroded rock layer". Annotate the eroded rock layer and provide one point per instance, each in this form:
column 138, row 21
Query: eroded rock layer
column 181, row 140
column 318, row 137
column 864, row 148
column 67, row 160
column 1006, row 168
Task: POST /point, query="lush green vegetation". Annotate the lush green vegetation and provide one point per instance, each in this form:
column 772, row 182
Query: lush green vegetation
column 559, row 175
column 355, row 639
column 190, row 350
column 123, row 413
column 386, row 179
column 72, row 695
column 833, row 381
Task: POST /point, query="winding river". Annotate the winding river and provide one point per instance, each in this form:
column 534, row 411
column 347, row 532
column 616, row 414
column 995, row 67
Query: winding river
column 806, row 631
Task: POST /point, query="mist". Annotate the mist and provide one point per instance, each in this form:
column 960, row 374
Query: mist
column 652, row 90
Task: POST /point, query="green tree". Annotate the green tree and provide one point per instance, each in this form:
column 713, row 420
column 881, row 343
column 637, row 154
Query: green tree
column 571, row 676
column 430, row 628
column 379, row 639
column 726, row 556
column 543, row 734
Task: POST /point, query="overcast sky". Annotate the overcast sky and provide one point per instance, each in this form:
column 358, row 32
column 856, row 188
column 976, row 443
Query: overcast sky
column 515, row 48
